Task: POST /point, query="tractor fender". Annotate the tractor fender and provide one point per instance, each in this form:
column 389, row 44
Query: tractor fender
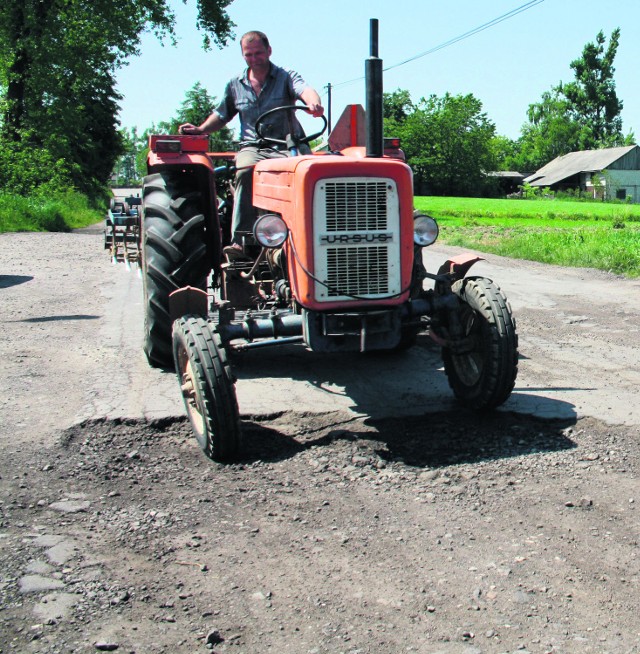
column 188, row 301
column 156, row 160
column 459, row 265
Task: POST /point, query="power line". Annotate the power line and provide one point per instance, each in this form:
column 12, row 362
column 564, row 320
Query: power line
column 462, row 37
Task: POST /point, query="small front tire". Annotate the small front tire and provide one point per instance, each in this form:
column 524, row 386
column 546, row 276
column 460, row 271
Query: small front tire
column 482, row 366
column 208, row 388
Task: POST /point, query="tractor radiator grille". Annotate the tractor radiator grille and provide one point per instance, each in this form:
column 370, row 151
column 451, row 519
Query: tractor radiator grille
column 356, row 206
column 356, row 238
column 357, row 271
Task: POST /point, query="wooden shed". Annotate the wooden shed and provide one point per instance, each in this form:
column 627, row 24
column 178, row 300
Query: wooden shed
column 612, row 173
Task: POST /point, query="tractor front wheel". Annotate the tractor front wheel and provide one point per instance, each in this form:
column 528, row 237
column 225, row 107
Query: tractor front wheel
column 481, row 363
column 207, row 386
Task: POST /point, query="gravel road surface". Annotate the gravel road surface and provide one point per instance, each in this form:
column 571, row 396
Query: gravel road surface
column 369, row 513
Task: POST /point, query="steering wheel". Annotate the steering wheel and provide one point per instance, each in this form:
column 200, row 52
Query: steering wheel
column 291, row 141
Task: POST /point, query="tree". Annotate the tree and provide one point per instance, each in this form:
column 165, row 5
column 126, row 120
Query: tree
column 58, row 60
column 196, row 106
column 550, row 132
column 592, row 95
column 127, row 171
column 131, row 166
column 504, row 150
column 581, row 115
column 448, row 143
column 396, row 106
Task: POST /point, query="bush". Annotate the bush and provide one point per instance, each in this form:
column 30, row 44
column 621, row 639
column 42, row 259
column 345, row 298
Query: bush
column 56, row 212
column 26, row 170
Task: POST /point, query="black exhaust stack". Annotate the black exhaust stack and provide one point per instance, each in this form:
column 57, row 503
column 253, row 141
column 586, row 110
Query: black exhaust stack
column 373, row 80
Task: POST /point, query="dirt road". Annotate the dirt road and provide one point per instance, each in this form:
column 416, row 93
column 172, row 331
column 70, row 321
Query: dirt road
column 369, row 514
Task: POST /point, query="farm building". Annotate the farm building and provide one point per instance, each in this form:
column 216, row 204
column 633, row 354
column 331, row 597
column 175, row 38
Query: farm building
column 612, row 173
column 508, row 181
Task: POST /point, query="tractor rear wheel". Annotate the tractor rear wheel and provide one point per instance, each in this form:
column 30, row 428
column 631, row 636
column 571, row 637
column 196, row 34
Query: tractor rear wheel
column 482, row 365
column 207, row 387
column 174, row 254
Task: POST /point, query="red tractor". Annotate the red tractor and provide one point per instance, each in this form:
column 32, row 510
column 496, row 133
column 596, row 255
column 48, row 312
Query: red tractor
column 336, row 266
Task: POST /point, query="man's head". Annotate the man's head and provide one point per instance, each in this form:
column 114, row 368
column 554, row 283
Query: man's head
column 255, row 49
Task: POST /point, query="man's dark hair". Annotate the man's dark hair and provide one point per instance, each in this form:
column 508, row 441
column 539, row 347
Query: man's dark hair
column 253, row 35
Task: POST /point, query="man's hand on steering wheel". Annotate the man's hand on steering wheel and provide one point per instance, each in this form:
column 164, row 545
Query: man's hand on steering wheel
column 315, row 109
column 290, row 108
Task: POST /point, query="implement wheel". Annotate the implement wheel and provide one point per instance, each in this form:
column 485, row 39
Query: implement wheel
column 482, row 366
column 174, row 254
column 208, row 388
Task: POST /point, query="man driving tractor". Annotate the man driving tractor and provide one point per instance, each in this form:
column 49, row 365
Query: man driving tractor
column 338, row 265
column 260, row 88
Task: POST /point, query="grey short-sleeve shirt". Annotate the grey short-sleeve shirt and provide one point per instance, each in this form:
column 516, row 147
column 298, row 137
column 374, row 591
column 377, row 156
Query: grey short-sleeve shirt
column 282, row 87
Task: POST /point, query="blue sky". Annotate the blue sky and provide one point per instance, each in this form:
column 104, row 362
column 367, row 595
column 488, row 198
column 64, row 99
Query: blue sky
column 507, row 66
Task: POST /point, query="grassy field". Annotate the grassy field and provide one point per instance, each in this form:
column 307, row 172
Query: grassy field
column 581, row 234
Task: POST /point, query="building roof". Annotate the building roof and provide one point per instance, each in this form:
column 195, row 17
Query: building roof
column 573, row 163
column 507, row 174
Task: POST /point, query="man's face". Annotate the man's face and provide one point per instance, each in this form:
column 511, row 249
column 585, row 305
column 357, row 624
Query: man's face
column 256, row 54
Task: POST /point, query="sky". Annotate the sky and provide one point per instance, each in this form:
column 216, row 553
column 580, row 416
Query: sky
column 507, row 66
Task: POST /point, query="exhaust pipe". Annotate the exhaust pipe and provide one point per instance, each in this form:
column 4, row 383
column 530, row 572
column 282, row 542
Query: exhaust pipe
column 373, row 81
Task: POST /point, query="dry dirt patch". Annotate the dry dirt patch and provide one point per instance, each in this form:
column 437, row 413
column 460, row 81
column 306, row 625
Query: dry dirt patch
column 437, row 533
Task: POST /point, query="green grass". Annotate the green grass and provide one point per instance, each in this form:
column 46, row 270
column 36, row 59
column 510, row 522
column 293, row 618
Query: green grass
column 527, row 209
column 59, row 213
column 582, row 234
column 565, row 233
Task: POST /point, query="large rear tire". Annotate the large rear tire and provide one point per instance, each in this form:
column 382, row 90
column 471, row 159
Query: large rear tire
column 207, row 387
column 483, row 366
column 174, row 254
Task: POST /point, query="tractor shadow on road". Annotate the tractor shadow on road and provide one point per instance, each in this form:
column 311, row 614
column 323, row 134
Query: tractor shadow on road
column 405, row 403
column 402, row 404
column 429, row 441
column 446, row 439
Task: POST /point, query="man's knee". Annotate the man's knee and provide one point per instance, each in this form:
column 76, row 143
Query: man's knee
column 244, row 175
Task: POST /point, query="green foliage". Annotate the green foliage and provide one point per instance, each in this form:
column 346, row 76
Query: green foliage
column 58, row 60
column 596, row 235
column 504, row 151
column 55, row 212
column 195, row 108
column 131, row 166
column 397, row 106
column 27, row 169
column 549, row 133
column 583, row 114
column 447, row 141
column 592, row 95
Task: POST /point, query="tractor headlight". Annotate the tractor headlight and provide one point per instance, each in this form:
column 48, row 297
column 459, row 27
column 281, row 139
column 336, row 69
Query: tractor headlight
column 270, row 231
column 425, row 230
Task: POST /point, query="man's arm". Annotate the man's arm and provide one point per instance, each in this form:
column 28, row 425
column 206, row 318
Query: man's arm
column 311, row 98
column 212, row 124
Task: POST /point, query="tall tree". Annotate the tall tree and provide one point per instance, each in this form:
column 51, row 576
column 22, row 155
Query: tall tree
column 592, row 95
column 58, row 60
column 126, row 170
column 397, row 106
column 448, row 143
column 195, row 108
column 551, row 131
column 131, row 166
column 580, row 115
